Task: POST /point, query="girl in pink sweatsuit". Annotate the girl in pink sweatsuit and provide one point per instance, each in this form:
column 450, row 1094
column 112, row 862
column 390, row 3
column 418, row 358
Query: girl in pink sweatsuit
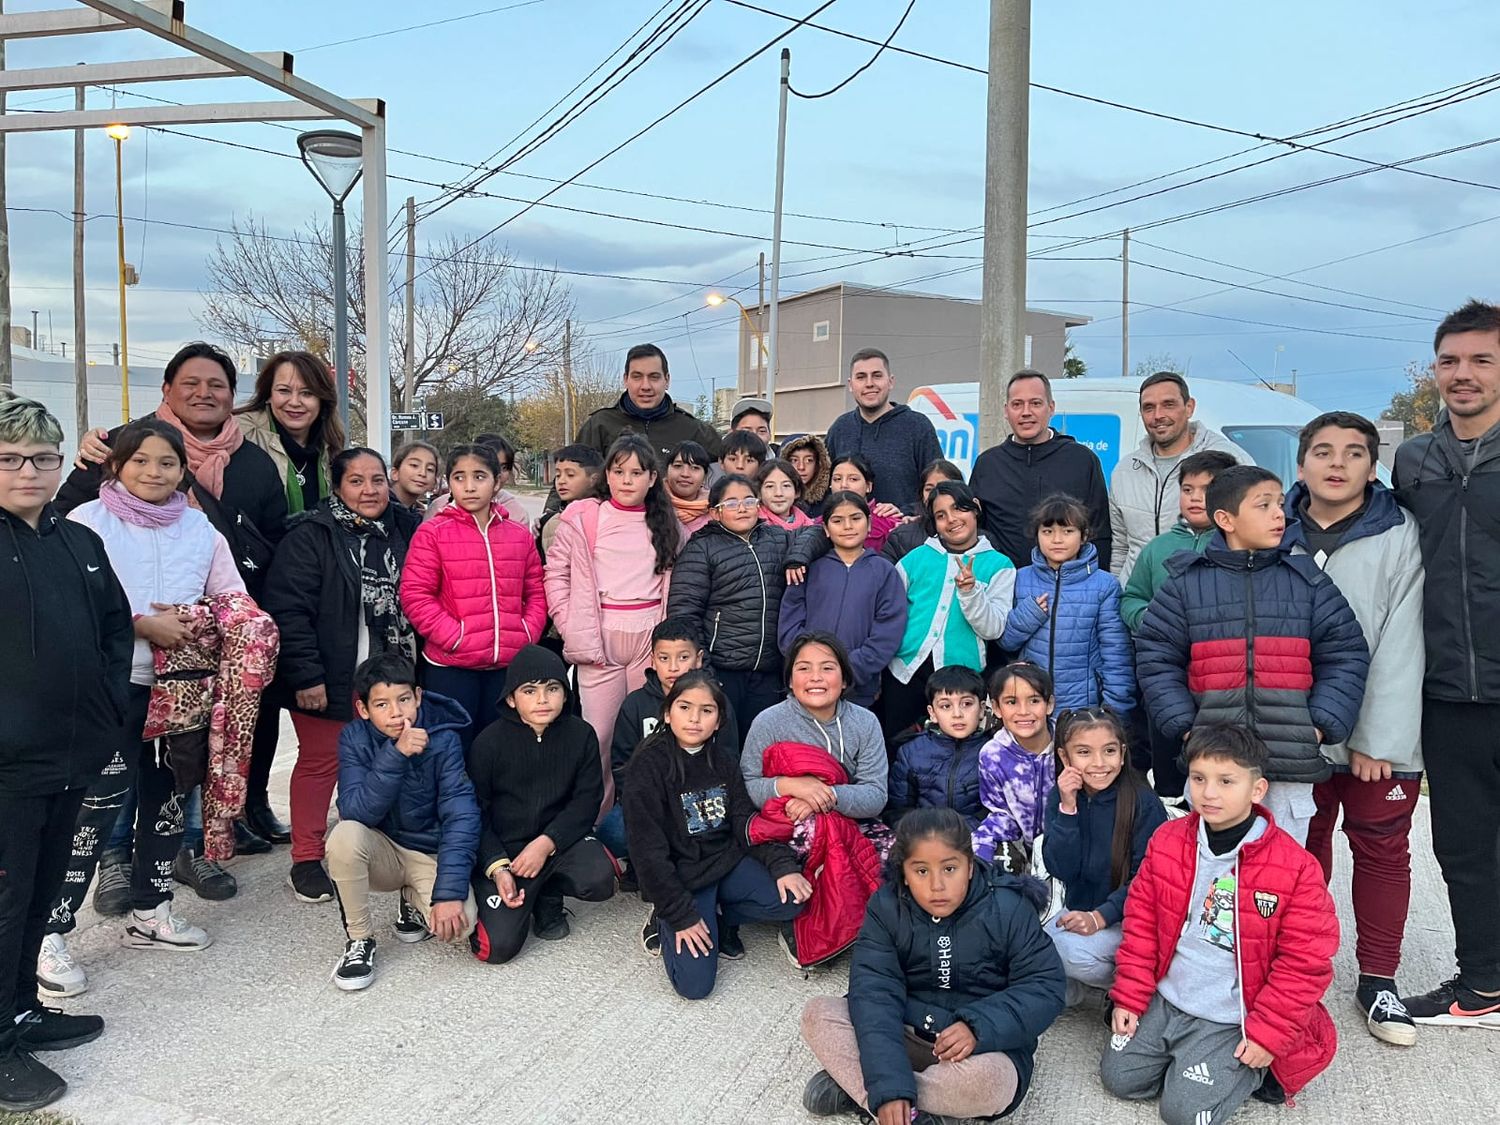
column 607, row 575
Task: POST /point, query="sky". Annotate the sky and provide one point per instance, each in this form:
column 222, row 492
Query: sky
column 1352, row 276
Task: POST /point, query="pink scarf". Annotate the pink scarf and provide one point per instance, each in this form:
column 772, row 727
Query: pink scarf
column 123, row 504
column 206, row 459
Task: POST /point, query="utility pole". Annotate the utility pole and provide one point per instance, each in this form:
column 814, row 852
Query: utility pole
column 567, row 381
column 786, row 76
column 1125, row 306
column 1002, row 314
column 5, row 365
column 80, row 333
column 408, row 388
column 758, row 360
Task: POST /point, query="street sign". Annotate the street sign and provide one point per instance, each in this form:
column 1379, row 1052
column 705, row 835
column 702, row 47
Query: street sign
column 433, row 420
column 406, row 421
column 417, row 420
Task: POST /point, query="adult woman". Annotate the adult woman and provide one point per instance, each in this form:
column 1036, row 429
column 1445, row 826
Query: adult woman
column 333, row 592
column 687, row 488
column 294, row 416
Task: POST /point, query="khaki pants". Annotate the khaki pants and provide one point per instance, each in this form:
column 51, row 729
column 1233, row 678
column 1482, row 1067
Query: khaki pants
column 362, row 859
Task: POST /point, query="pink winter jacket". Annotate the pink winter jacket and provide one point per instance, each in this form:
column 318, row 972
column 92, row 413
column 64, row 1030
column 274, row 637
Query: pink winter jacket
column 476, row 599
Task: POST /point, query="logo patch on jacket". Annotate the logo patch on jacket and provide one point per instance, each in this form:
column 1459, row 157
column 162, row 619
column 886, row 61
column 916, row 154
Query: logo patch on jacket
column 1266, row 903
column 705, row 809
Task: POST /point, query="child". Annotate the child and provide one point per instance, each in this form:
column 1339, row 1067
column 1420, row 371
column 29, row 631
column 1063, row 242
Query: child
column 1100, row 817
column 951, row 984
column 853, row 474
column 1248, row 630
column 687, row 488
column 1353, row 528
column 1066, row 616
column 575, row 474
column 850, row 592
column 1229, row 941
column 536, row 775
column 65, row 694
column 509, row 504
column 606, row 578
column 408, row 820
column 958, row 590
column 741, row 454
column 1017, row 767
column 414, row 474
column 809, row 457
column 940, row 768
column 687, row 814
column 730, row 578
column 472, row 588
column 913, row 531
column 779, row 488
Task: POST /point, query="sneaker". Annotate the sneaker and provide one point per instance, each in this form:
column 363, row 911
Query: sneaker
column 823, row 1097
column 161, row 929
column 550, row 922
column 208, row 880
column 920, row 1118
column 26, row 1084
column 628, row 880
column 57, row 974
column 731, row 948
column 651, row 936
column 112, row 887
column 409, row 926
column 50, row 1029
column 309, row 882
column 1270, row 1090
column 787, row 936
column 1386, row 1017
column 1455, row 1004
column 356, row 968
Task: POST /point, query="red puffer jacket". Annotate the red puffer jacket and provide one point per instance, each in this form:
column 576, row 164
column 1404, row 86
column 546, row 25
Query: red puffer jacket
column 1287, row 930
column 475, row 597
column 842, row 866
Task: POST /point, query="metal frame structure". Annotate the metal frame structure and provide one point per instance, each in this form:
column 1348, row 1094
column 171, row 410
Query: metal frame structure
column 213, row 58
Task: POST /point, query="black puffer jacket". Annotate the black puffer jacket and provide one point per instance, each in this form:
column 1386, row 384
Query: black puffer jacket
column 312, row 591
column 1456, row 500
column 733, row 587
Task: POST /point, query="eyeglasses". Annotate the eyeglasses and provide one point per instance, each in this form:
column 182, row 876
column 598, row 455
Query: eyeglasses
column 738, row 505
column 41, row 462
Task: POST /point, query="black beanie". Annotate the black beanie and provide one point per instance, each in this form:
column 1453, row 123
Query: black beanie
column 535, row 665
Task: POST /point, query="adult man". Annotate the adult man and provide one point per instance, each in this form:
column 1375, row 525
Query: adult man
column 753, row 414
column 1035, row 462
column 647, row 409
column 897, row 442
column 1450, row 479
column 1143, row 487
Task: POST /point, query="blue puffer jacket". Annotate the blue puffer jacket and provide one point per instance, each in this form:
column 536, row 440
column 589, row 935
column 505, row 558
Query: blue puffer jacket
column 426, row 802
column 1079, row 638
column 935, row 771
column 1077, row 848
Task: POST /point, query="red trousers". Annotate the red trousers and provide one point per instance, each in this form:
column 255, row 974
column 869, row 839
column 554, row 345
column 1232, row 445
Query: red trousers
column 314, row 778
column 1377, row 820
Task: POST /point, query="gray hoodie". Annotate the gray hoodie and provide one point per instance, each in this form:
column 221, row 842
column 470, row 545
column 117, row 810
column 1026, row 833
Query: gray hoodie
column 852, row 736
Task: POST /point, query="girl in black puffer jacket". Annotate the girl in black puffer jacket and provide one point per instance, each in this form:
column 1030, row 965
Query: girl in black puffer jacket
column 951, row 964
column 730, row 578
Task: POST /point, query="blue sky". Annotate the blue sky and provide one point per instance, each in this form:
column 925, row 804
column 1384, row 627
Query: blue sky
column 898, row 155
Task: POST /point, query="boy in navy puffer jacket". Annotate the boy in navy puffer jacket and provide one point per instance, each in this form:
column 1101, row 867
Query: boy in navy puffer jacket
column 940, row 768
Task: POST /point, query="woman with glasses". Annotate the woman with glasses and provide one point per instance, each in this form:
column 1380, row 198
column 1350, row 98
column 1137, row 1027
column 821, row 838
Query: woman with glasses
column 730, row 578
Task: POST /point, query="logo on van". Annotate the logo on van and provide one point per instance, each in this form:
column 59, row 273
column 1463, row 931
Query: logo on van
column 958, row 434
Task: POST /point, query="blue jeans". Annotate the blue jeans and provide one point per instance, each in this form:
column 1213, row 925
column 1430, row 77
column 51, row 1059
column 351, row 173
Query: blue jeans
column 611, row 832
column 124, row 831
column 746, row 894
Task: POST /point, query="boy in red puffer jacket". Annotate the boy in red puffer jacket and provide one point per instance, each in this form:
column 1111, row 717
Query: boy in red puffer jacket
column 1229, row 940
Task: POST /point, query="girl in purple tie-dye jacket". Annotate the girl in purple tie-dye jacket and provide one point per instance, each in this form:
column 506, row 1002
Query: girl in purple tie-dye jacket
column 1016, row 767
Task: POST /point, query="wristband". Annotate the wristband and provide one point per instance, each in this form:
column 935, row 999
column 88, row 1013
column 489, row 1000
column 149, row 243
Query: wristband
column 501, row 864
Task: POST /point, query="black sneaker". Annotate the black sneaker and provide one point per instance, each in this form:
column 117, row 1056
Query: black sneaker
column 731, row 948
column 208, row 880
column 628, row 880
column 26, row 1084
column 1385, row 1015
column 309, row 882
column 356, row 968
column 409, row 926
column 1270, row 1090
column 112, row 887
column 651, row 936
column 51, row 1029
column 823, row 1097
column 1455, row 1004
column 787, row 936
column 550, row 922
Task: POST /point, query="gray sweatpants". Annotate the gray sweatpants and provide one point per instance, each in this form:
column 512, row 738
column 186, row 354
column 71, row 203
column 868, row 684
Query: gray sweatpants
column 1188, row 1061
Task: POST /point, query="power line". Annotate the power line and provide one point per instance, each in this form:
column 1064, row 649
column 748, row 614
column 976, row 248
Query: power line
column 418, row 26
column 1134, row 261
column 880, row 50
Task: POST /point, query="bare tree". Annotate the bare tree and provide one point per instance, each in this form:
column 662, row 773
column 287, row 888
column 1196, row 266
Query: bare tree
column 483, row 323
column 538, row 419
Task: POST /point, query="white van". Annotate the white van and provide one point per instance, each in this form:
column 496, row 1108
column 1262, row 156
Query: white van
column 1104, row 414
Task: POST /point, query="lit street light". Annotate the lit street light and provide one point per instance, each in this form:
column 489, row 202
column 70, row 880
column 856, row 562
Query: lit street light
column 120, row 134
column 714, row 300
column 335, row 158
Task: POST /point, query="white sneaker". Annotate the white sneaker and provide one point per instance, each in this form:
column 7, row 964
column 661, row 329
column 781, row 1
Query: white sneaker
column 161, row 929
column 57, row 974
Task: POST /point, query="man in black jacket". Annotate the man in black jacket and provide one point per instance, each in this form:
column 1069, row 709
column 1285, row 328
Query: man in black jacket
column 1035, row 462
column 64, row 677
column 647, row 409
column 897, row 441
column 1450, row 479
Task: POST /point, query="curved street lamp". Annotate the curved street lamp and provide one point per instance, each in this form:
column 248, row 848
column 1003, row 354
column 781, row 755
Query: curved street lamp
column 336, row 159
column 714, row 300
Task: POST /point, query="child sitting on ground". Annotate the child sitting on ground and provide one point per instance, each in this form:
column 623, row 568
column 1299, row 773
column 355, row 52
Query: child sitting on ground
column 408, row 820
column 940, row 768
column 1016, row 767
column 536, row 774
column 951, row 984
column 1229, row 940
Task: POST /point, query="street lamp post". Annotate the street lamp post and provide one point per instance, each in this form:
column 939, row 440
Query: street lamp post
column 335, row 157
column 714, row 300
column 120, row 134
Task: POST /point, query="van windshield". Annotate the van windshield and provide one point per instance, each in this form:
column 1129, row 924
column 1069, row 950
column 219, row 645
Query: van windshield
column 1275, row 448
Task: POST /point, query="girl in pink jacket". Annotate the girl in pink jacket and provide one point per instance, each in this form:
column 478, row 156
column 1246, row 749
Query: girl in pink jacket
column 607, row 576
column 472, row 589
